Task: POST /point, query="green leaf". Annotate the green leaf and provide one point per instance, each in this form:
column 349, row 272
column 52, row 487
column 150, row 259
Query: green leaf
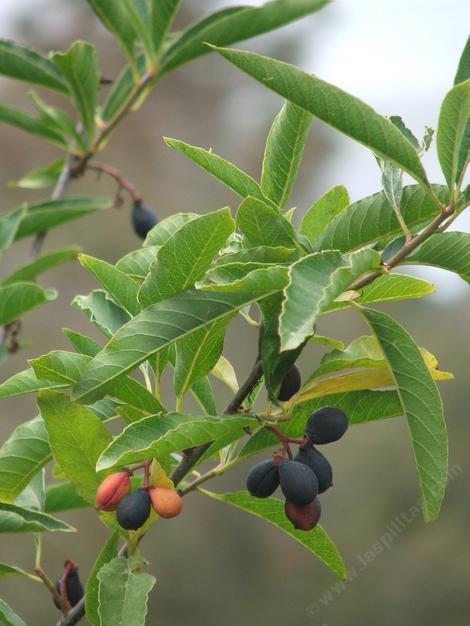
column 66, row 367
column 234, row 24
column 46, row 215
column 121, row 288
column 449, row 251
column 45, row 262
column 8, row 616
column 107, row 554
column 263, row 225
column 11, row 570
column 370, row 219
column 202, row 391
column 453, row 133
column 185, row 257
column 137, row 264
column 8, row 228
column 162, row 13
column 31, row 124
column 122, row 87
column 283, row 153
column 22, row 455
column 389, row 287
column 82, row 343
column 245, row 278
column 361, row 407
column 77, row 437
column 362, row 352
column 139, row 18
column 79, row 66
column 228, row 173
column 463, row 70
column 40, row 178
column 123, row 592
column 33, row 495
column 105, row 314
column 115, row 18
column 58, row 120
column 224, row 371
column 26, row 382
column 21, row 63
column 197, row 354
column 17, row 519
column 17, row 299
column 63, row 497
column 160, row 435
column 272, row 511
column 422, row 405
column 257, row 254
column 165, row 229
column 314, row 283
column 157, row 327
column 323, row 211
column 332, row 105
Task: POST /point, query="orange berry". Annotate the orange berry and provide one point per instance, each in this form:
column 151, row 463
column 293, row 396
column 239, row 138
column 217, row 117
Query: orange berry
column 166, row 502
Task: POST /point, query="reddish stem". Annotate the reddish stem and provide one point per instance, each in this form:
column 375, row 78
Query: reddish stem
column 122, row 182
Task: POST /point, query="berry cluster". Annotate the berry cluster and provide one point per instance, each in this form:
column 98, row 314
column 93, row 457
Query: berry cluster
column 303, row 477
column 133, row 508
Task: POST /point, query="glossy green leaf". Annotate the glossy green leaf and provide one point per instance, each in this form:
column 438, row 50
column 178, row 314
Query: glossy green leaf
column 77, row 438
column 283, row 153
column 8, row 228
column 159, row 435
column 31, row 124
column 8, row 616
column 162, row 13
column 17, row 299
column 58, row 120
column 22, row 455
column 453, row 133
column 228, row 173
column 63, row 497
column 79, row 66
column 122, row 88
column 100, row 309
column 42, row 264
column 323, row 211
column 334, row 106
column 139, row 18
column 314, row 282
column 46, row 215
column 40, row 178
column 245, row 278
column 449, row 251
column 224, row 371
column 17, row 519
column 157, row 327
column 11, row 570
column 26, row 382
column 33, row 495
column 422, row 406
column 82, row 343
column 123, row 592
column 202, row 391
column 22, row 63
column 107, row 554
column 263, row 225
column 233, row 24
column 463, row 70
column 137, row 264
column 272, row 511
column 257, row 254
column 165, row 229
column 121, row 288
column 370, row 219
column 114, row 17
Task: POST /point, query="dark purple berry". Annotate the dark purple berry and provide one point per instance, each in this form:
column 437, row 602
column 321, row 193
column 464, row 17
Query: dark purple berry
column 303, row 517
column 290, row 384
column 326, row 425
column 143, row 219
column 319, row 465
column 298, row 483
column 263, row 479
column 133, row 510
column 73, row 584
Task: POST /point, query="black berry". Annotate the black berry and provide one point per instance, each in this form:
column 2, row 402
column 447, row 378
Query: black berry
column 298, row 482
column 73, row 584
column 303, row 517
column 319, row 465
column 133, row 511
column 143, row 219
column 290, row 384
column 263, row 479
column 326, row 425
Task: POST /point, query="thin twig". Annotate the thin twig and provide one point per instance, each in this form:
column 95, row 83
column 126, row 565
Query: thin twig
column 122, row 182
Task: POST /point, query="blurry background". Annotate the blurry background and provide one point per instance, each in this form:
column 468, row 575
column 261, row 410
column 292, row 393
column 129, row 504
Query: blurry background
column 216, row 565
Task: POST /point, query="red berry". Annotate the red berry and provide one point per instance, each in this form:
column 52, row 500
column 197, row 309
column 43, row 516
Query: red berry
column 112, row 490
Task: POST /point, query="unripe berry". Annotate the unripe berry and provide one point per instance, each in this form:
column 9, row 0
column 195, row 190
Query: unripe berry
column 298, row 483
column 166, row 503
column 263, row 480
column 112, row 490
column 319, row 464
column 303, row 517
column 73, row 584
column 143, row 219
column 290, row 384
column 326, row 425
column 133, row 510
